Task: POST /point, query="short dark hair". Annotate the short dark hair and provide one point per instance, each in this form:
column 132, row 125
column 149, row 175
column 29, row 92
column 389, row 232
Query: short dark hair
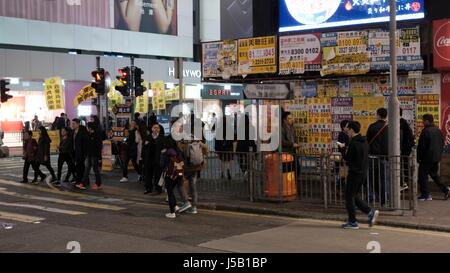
column 76, row 120
column 428, row 117
column 285, row 115
column 62, row 114
column 355, row 126
column 344, row 123
column 382, row 113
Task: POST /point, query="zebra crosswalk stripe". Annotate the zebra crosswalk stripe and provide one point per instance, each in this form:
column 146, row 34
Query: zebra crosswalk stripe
column 36, row 207
column 20, row 217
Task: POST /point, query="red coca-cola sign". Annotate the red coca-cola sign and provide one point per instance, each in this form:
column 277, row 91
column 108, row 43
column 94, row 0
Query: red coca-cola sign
column 441, row 41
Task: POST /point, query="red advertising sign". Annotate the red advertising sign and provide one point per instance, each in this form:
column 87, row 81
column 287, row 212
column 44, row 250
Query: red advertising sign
column 445, row 106
column 441, row 44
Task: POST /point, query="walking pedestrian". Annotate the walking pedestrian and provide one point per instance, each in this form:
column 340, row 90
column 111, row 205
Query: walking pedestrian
column 132, row 142
column 357, row 161
column 194, row 153
column 223, row 148
column 377, row 136
column 429, row 154
column 93, row 159
column 407, row 142
column 30, row 147
column 156, row 143
column 80, row 142
column 173, row 172
column 66, row 155
column 43, row 152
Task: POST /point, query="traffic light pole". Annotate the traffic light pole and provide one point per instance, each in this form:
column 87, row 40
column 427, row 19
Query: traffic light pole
column 132, row 87
column 102, row 104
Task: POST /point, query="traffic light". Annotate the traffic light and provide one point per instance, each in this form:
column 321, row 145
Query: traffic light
column 125, row 79
column 3, row 88
column 139, row 88
column 99, row 81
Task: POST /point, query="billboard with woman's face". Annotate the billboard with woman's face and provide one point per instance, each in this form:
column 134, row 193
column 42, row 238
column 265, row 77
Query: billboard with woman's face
column 149, row 16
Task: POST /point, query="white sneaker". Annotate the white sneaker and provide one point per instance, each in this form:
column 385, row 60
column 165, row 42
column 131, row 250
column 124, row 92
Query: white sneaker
column 171, row 215
column 177, row 208
column 123, row 180
column 185, row 207
column 193, row 210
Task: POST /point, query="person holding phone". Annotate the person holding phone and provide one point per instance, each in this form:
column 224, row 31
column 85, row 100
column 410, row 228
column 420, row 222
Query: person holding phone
column 154, row 16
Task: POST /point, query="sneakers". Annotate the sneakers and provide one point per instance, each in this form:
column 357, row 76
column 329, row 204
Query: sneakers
column 35, row 182
column 177, row 208
column 81, row 187
column 96, row 188
column 193, row 210
column 23, row 182
column 56, row 183
column 185, row 207
column 350, row 226
column 171, row 215
column 373, row 215
column 123, row 180
column 425, row 198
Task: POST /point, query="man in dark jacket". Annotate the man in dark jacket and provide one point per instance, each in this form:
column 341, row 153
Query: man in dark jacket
column 80, row 143
column 407, row 142
column 288, row 134
column 429, row 154
column 357, row 161
column 30, row 147
column 378, row 139
column 156, row 143
column 94, row 158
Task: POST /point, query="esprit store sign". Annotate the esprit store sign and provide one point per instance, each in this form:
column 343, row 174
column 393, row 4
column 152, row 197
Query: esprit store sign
column 441, row 44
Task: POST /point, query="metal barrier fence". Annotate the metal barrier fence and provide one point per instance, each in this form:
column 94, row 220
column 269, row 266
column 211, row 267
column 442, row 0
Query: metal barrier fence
column 377, row 188
column 316, row 180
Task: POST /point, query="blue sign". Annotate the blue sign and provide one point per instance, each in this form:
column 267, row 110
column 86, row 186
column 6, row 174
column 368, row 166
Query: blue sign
column 316, row 14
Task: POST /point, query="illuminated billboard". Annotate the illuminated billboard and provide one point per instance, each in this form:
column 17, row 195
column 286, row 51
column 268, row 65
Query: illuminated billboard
column 297, row 15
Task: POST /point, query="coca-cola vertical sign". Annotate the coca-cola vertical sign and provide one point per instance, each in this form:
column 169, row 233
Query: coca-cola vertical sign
column 445, row 108
column 441, row 47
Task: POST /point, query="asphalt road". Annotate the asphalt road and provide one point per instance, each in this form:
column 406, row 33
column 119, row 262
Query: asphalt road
column 42, row 219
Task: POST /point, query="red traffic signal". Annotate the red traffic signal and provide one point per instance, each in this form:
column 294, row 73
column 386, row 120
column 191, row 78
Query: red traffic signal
column 99, row 81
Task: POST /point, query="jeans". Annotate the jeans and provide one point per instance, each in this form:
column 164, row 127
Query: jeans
column 49, row 167
column 193, row 188
column 35, row 166
column 92, row 163
column 66, row 158
column 170, row 186
column 430, row 169
column 79, row 168
column 352, row 198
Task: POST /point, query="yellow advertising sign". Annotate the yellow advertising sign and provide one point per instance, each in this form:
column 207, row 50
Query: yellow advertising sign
column 142, row 101
column 53, row 93
column 114, row 96
column 85, row 93
column 257, row 55
column 159, row 99
column 107, row 156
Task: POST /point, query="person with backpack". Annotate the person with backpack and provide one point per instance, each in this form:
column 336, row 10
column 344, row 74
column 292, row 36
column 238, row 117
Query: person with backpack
column 378, row 139
column 194, row 153
column 172, row 163
column 43, row 152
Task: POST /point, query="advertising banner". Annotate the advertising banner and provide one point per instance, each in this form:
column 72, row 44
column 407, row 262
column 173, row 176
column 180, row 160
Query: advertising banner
column 299, row 53
column 85, row 94
column 345, row 53
column 107, row 156
column 297, row 15
column 114, row 96
column 427, row 104
column 257, row 55
column 54, row 94
column 445, row 107
column 341, row 109
column 441, row 44
column 229, row 58
column 408, row 49
column 142, row 102
column 159, row 99
column 364, row 110
column 211, row 59
column 429, row 84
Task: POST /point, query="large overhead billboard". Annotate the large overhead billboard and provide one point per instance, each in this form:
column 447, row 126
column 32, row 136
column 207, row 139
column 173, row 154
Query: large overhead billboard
column 297, row 15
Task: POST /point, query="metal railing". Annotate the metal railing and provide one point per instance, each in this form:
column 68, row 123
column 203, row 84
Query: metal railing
column 316, row 180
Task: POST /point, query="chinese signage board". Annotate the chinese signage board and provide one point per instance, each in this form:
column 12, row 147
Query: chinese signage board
column 299, row 53
column 54, row 94
column 218, row 92
column 258, row 55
